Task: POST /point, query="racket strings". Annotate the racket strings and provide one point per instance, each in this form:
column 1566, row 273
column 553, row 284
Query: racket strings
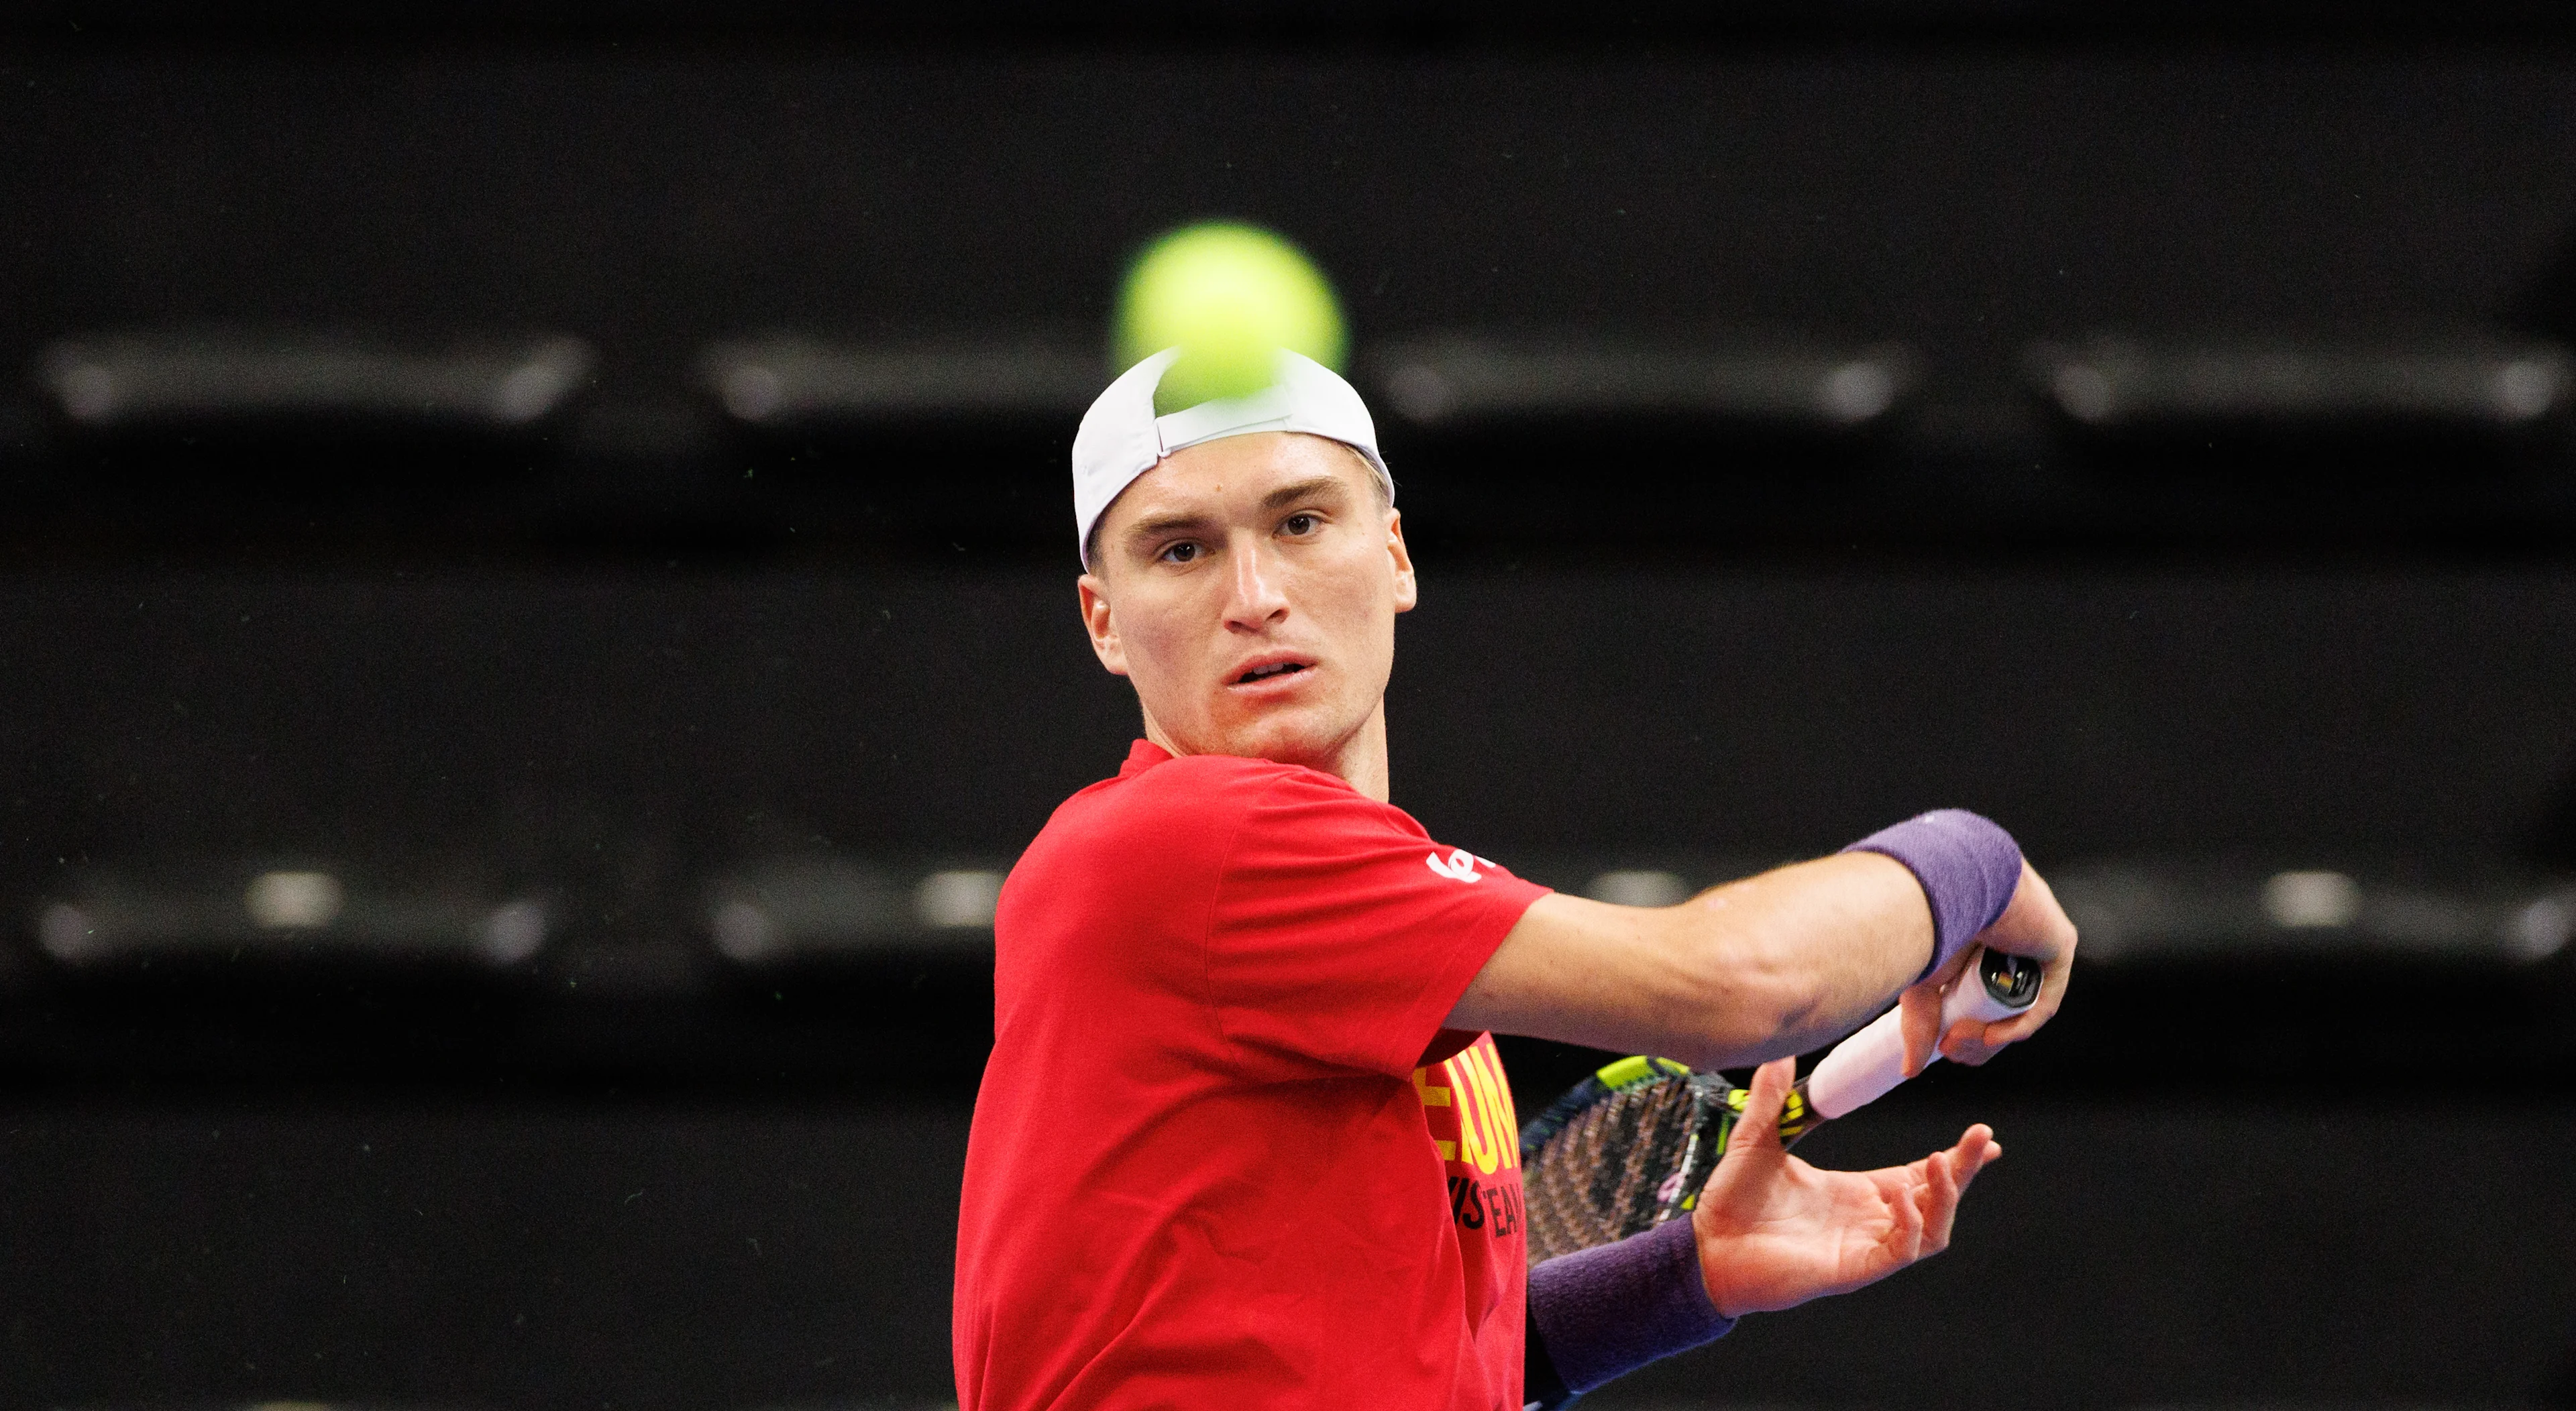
column 1606, row 1173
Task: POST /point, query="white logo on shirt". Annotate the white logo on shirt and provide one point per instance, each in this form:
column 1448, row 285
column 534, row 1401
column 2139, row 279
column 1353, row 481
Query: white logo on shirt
column 1458, row 866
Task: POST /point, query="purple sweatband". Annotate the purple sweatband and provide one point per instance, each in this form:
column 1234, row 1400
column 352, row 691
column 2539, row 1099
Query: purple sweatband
column 1616, row 1307
column 1969, row 868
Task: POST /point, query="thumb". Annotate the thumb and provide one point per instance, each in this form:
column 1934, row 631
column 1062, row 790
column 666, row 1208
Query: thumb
column 1758, row 1125
column 1919, row 1011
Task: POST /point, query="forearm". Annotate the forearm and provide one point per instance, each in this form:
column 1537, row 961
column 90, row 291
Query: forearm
column 1772, row 965
column 1964, row 869
column 1800, row 955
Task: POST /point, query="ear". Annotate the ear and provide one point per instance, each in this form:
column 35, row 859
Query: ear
column 1407, row 592
column 1101, row 624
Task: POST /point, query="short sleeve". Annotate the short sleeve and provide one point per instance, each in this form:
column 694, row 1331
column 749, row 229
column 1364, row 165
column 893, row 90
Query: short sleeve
column 1341, row 936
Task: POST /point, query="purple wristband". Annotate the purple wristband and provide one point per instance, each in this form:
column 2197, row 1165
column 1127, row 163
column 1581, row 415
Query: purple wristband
column 1969, row 868
column 1616, row 1307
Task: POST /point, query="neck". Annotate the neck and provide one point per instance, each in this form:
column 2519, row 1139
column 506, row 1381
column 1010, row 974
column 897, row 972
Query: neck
column 1359, row 760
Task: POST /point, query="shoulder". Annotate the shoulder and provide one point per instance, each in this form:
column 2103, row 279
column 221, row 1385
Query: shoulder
column 1190, row 793
column 1295, row 800
column 1148, row 852
column 1174, row 820
column 1269, row 804
column 1197, row 783
column 1204, row 808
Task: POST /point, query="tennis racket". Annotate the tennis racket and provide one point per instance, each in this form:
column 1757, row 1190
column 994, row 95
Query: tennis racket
column 1629, row 1147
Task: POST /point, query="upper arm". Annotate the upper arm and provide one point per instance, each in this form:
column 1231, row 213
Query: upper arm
column 1774, row 964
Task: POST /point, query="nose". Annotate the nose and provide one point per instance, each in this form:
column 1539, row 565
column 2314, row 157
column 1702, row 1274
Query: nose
column 1254, row 600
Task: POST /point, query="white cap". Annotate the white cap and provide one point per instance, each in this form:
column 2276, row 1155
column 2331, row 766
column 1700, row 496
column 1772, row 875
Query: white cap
column 1121, row 438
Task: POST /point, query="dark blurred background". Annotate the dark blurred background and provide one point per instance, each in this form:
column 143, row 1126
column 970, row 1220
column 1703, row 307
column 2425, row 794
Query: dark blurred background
column 537, row 607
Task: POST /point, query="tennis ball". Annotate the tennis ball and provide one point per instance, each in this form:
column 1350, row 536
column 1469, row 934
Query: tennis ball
column 1229, row 296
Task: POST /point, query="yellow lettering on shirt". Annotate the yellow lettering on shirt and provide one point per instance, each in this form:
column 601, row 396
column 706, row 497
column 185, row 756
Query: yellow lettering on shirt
column 1433, row 1095
column 1510, row 1114
column 1475, row 1117
column 1501, row 1135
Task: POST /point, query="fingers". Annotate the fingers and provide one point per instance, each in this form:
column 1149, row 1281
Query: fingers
column 2005, row 1033
column 1947, row 1174
column 1759, row 1125
column 1965, row 1042
column 1919, row 1013
column 2032, row 925
column 1939, row 1200
column 1977, row 1149
column 1905, row 1243
column 1747, row 1170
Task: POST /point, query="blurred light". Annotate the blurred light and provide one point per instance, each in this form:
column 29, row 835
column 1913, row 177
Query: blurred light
column 66, row 932
column 2311, row 899
column 751, row 391
column 2112, row 382
column 1858, row 391
column 1454, row 379
column 189, row 379
column 1420, row 392
column 88, row 392
column 535, row 387
column 2526, row 388
column 957, row 899
column 743, row 932
column 822, row 907
column 782, row 381
column 2541, row 929
column 513, row 932
column 299, row 901
column 1639, row 887
column 2152, row 910
column 2083, row 391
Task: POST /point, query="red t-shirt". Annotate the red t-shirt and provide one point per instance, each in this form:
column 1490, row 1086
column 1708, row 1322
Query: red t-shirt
column 1209, row 1166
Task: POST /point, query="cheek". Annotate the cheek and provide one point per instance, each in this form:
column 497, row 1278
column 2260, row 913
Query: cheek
column 1148, row 642
column 1156, row 632
column 1360, row 605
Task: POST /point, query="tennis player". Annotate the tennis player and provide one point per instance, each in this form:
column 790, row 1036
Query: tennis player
column 1244, row 1140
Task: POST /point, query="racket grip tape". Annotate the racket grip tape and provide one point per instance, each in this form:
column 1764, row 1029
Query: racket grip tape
column 1863, row 1067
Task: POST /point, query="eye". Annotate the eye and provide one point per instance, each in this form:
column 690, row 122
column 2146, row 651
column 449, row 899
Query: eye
column 1182, row 552
column 1299, row 524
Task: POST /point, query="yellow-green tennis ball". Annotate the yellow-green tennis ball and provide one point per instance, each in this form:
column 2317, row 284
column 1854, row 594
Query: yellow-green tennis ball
column 1229, row 296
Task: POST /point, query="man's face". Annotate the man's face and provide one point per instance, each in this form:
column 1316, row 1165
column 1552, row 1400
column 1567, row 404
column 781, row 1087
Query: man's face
column 1248, row 587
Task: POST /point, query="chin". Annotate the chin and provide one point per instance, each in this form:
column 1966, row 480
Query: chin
column 1289, row 737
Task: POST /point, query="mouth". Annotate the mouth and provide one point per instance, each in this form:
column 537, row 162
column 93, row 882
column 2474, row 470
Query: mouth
column 1272, row 671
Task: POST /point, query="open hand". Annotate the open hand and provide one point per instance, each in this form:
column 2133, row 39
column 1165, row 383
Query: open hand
column 1775, row 1232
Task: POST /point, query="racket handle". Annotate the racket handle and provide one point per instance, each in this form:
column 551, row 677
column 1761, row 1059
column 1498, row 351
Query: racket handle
column 1863, row 1067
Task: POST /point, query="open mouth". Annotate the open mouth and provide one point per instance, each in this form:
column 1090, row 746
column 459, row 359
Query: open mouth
column 1270, row 672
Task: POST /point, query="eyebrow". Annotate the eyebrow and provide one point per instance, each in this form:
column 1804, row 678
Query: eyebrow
column 1159, row 525
column 1303, row 490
